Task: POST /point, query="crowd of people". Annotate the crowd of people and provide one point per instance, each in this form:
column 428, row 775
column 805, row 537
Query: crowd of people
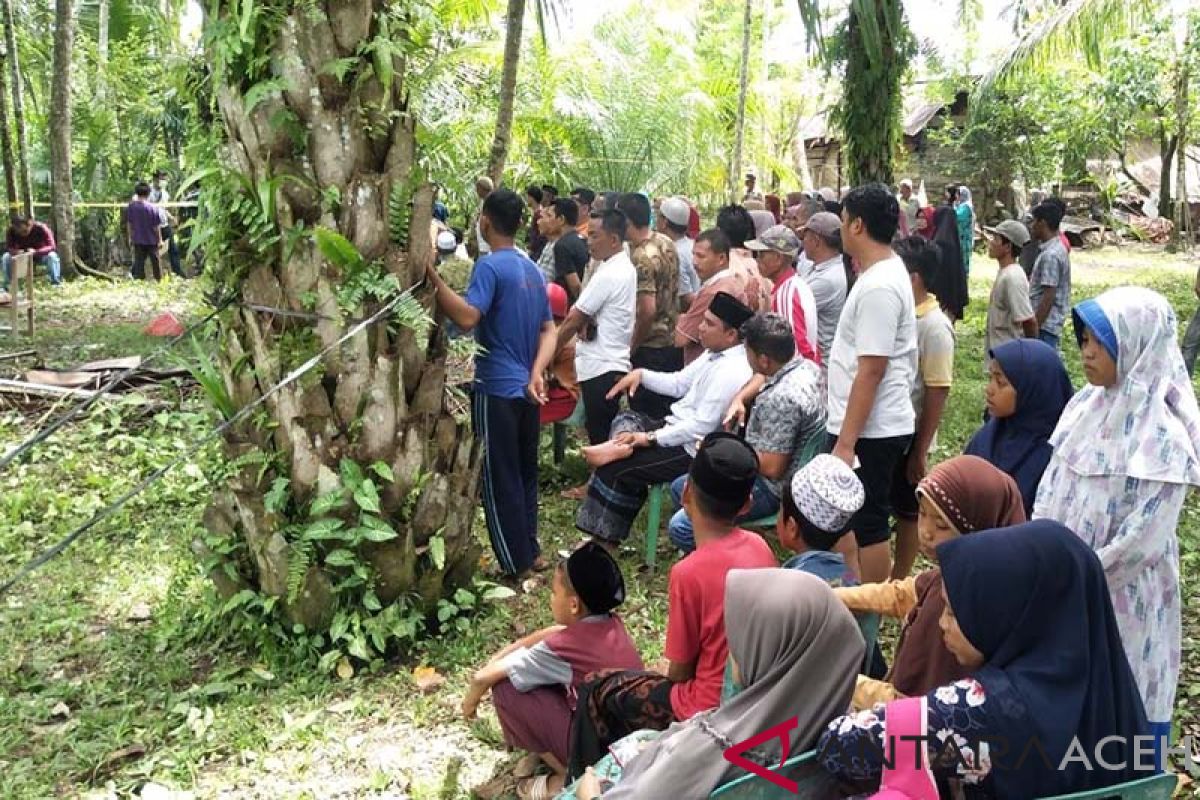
column 148, row 225
column 150, row 228
column 795, row 360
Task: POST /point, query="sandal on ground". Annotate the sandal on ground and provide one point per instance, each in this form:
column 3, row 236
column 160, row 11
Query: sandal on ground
column 536, row 788
column 540, row 564
column 527, row 766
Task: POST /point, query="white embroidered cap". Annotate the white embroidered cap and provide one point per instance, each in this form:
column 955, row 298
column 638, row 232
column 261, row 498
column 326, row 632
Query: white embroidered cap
column 828, row 493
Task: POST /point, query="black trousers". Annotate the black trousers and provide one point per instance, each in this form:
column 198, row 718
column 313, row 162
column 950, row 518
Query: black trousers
column 510, row 429
column 140, row 253
column 598, row 411
column 618, row 490
column 658, row 359
column 172, row 250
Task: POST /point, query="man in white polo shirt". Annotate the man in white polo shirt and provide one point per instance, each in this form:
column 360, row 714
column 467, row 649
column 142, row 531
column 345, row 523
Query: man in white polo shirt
column 602, row 318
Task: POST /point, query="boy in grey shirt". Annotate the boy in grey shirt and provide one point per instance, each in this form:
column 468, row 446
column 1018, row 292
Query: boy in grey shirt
column 1010, row 313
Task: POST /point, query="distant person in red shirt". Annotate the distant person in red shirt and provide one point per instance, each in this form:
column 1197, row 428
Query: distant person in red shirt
column 618, row 703
column 143, row 224
column 27, row 236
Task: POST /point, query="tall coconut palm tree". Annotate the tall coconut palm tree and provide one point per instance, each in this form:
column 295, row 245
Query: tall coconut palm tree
column 24, row 180
column 6, row 145
column 514, row 25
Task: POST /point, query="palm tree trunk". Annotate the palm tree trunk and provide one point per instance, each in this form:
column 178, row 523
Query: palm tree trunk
column 60, row 133
column 6, row 147
column 1166, row 151
column 24, row 180
column 100, row 174
column 1183, row 212
column 735, row 172
column 870, row 114
column 379, row 399
column 513, row 23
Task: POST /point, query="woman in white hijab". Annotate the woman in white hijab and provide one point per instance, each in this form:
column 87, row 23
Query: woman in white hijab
column 795, row 652
column 1126, row 451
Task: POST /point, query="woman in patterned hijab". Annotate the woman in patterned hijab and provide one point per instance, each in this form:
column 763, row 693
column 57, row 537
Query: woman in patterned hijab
column 1126, row 451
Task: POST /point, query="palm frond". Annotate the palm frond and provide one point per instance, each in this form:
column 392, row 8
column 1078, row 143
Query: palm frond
column 546, row 10
column 969, row 14
column 1079, row 27
column 810, row 16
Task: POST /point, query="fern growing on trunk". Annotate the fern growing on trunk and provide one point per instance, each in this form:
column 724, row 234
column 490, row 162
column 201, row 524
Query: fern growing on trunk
column 343, row 523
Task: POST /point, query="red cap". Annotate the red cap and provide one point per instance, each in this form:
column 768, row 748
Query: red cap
column 558, row 300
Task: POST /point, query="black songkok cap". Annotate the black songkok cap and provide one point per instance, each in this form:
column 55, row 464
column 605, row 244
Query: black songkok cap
column 596, row 578
column 724, row 468
column 730, row 310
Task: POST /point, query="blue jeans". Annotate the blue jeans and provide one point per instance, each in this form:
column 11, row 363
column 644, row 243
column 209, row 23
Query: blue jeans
column 762, row 504
column 53, row 267
column 1049, row 338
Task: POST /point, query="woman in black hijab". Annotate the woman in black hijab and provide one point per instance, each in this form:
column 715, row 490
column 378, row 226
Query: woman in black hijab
column 951, row 284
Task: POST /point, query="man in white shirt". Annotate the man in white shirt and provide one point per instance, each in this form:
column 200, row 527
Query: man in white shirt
column 643, row 451
column 821, row 236
column 603, row 319
column 672, row 222
column 872, row 366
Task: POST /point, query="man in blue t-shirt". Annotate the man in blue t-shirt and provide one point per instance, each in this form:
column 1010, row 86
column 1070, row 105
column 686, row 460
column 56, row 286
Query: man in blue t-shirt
column 507, row 307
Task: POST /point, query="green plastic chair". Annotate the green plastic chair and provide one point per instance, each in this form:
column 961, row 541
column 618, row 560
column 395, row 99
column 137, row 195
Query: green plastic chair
column 812, row 448
column 654, row 503
column 868, row 626
column 1156, row 787
column 814, row 783
column 560, row 431
column 762, row 524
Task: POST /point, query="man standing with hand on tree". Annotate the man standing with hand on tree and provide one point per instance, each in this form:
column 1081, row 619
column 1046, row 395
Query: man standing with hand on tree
column 507, row 307
column 872, row 366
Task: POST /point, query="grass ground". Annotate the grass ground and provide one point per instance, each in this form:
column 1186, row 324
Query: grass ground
column 115, row 681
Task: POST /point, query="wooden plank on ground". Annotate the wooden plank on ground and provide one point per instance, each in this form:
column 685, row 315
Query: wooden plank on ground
column 38, row 390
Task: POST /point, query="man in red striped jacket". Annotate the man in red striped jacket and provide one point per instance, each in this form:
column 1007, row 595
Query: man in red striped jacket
column 791, row 298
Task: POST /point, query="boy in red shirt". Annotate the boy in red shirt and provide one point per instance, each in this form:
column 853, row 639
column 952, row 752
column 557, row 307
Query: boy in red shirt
column 614, row 703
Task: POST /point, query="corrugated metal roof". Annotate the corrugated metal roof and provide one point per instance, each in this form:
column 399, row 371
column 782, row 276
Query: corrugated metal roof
column 918, row 114
column 919, row 117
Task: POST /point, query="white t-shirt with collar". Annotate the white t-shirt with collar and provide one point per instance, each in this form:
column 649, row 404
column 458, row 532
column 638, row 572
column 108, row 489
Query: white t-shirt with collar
column 879, row 319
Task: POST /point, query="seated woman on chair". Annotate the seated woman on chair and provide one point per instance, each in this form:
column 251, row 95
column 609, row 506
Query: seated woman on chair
column 1049, row 706
column 794, row 651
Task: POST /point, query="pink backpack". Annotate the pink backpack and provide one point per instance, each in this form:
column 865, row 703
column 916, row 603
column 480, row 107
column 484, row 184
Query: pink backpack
column 908, row 778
